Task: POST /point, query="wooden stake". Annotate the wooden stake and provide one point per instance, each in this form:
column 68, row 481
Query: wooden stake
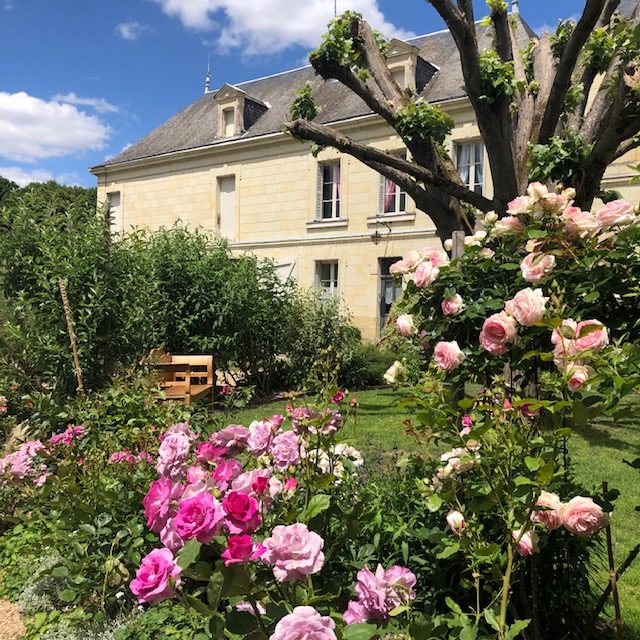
column 458, row 244
column 613, row 576
column 72, row 334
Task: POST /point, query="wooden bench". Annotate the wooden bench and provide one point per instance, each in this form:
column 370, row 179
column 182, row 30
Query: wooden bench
column 185, row 378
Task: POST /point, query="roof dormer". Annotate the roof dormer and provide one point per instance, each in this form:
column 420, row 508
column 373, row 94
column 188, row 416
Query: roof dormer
column 237, row 111
column 408, row 69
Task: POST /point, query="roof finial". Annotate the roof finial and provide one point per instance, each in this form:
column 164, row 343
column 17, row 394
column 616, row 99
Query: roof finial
column 207, row 78
column 335, row 8
column 515, row 6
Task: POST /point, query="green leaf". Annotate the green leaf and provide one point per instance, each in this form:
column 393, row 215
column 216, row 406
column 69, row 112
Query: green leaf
column 60, row 572
column 197, row 604
column 592, row 297
column 546, row 473
column 241, row 622
column 517, row 627
column 214, row 589
column 449, row 550
column 469, row 633
column 318, row 503
column 405, row 551
column 359, row 632
column 533, row 464
column 189, row 553
column 490, row 617
column 237, row 581
column 67, row 595
column 88, row 528
column 453, row 605
column 434, row 502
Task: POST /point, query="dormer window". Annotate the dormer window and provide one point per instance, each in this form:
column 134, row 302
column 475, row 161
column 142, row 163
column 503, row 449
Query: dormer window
column 228, row 119
column 409, row 70
column 237, row 111
column 398, row 76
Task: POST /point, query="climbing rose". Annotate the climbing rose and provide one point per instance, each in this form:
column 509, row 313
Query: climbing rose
column 304, row 623
column 520, row 205
column 590, row 335
column 456, row 522
column 536, row 266
column 497, row 330
column 583, row 516
column 199, row 517
column 551, row 516
column 527, row 306
column 508, row 225
column 448, row 355
column 405, row 325
column 618, row 213
column 294, row 551
column 425, row 274
column 577, row 374
column 527, row 542
column 452, row 306
column 580, row 223
column 157, row 577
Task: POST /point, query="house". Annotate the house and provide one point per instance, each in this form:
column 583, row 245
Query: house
column 224, row 163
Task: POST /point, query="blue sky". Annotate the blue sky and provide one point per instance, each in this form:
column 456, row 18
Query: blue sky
column 82, row 79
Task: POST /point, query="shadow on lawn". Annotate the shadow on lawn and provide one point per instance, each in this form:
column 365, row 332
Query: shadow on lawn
column 614, row 435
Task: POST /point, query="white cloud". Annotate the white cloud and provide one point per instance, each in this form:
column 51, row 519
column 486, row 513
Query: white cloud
column 130, row 30
column 99, row 104
column 31, row 128
column 7, row 5
column 277, row 25
column 23, row 177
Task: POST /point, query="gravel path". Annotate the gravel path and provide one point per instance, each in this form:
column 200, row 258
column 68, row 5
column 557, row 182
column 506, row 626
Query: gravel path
column 11, row 626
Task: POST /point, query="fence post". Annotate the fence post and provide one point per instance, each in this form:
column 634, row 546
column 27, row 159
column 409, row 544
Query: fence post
column 458, row 244
column 72, row 334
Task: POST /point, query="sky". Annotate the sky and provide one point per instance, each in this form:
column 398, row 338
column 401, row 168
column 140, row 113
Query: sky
column 80, row 80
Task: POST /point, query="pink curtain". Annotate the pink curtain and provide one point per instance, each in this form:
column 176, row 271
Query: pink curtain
column 390, row 192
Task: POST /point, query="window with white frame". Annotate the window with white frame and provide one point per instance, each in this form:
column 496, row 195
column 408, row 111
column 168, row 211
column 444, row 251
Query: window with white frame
column 329, row 177
column 115, row 210
column 228, row 116
column 470, row 164
column 327, row 278
column 393, row 197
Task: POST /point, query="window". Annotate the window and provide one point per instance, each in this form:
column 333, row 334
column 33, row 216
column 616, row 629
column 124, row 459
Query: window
column 329, row 175
column 470, row 163
column 327, row 278
column 115, row 210
column 398, row 76
column 228, row 116
column 227, row 206
column 390, row 291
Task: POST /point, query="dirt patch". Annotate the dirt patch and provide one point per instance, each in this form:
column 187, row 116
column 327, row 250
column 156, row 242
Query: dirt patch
column 11, row 617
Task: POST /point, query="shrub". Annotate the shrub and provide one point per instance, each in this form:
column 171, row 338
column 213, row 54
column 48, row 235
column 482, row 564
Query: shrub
column 363, row 365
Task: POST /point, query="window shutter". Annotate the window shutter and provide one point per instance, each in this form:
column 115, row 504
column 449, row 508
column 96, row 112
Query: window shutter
column 319, row 192
column 382, row 182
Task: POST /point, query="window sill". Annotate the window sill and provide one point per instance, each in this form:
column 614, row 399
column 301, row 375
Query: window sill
column 391, row 217
column 329, row 223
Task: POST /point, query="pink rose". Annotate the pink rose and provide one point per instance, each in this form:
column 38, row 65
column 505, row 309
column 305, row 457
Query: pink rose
column 157, row 577
column 169, row 536
column 562, row 337
column 286, row 450
column 520, row 205
column 452, row 306
column 537, row 191
column 304, row 623
column 527, row 542
column 294, row 551
column 338, row 397
column 425, row 274
column 582, row 224
column 509, row 225
column 260, row 435
column 301, row 418
column 527, row 306
column 160, row 501
column 618, row 213
column 550, row 515
column 200, row 517
column 182, row 427
column 448, row 355
column 405, row 325
column 209, row 452
column 456, row 522
column 554, row 202
column 242, row 512
column 436, row 257
column 233, row 437
column 225, row 473
column 577, row 375
column 241, row 549
column 172, row 455
column 536, row 266
column 290, row 485
column 497, row 330
column 583, row 516
column 591, row 335
column 195, row 474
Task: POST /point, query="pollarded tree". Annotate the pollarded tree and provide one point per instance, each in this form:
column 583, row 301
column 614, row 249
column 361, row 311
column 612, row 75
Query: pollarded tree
column 557, row 108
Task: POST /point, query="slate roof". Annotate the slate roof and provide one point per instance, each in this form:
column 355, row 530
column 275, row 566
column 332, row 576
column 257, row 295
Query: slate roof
column 196, row 125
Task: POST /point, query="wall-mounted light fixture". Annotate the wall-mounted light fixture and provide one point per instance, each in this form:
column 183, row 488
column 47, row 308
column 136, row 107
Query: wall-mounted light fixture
column 376, row 236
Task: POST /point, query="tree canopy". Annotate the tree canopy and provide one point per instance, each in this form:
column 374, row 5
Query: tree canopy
column 559, row 108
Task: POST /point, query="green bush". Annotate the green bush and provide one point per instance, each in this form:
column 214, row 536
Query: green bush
column 364, row 365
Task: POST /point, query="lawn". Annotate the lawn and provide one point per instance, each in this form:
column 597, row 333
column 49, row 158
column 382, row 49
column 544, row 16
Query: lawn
column 597, row 456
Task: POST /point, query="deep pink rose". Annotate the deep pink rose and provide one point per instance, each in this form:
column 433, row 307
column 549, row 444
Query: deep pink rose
column 157, row 577
column 286, row 450
column 338, row 397
column 172, row 455
column 583, row 516
column 225, row 473
column 452, row 306
column 527, row 542
column 536, row 266
column 304, row 623
column 527, row 306
column 550, row 515
column 425, row 274
column 160, row 502
column 618, row 213
column 448, row 355
column 233, row 437
column 456, row 522
column 243, row 512
column 241, row 549
column 405, row 325
column 199, row 517
column 209, row 452
column 294, row 551
column 497, row 331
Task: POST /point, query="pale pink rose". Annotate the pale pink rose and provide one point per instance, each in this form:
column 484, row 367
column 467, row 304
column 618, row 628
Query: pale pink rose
column 590, row 335
column 247, row 607
column 294, row 551
column 527, row 542
column 536, row 266
column 304, row 623
column 577, row 375
column 486, row 252
column 618, row 213
column 260, row 436
column 437, row 257
column 169, row 536
column 551, row 513
column 393, row 372
column 537, row 191
column 455, row 464
column 157, row 577
column 172, row 455
column 520, row 205
column 286, row 450
column 400, row 268
column 533, row 245
column 195, row 474
column 405, row 325
column 509, row 225
column 233, row 437
column 554, row 203
column 425, row 274
column 200, row 517
column 448, row 355
column 497, row 331
column 456, row 522
column 527, row 306
column 583, row 516
column 161, row 502
column 355, row 613
column 491, row 217
column 244, row 482
column 183, row 427
column 452, row 306
column 582, row 224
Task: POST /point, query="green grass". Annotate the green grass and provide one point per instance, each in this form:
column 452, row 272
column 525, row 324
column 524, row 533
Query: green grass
column 597, row 452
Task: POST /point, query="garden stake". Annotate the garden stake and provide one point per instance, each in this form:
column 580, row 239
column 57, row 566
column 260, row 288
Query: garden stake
column 72, row 334
column 612, row 575
column 626, row 563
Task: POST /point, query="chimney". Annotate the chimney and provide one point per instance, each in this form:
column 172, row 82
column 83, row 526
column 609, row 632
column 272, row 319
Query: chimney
column 515, row 6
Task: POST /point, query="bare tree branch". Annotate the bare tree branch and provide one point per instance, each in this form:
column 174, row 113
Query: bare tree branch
column 628, row 145
column 504, row 47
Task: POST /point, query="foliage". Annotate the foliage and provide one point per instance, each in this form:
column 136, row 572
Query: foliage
column 560, row 37
column 304, row 105
column 418, row 121
column 559, row 158
column 6, row 187
column 497, row 77
column 364, row 365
